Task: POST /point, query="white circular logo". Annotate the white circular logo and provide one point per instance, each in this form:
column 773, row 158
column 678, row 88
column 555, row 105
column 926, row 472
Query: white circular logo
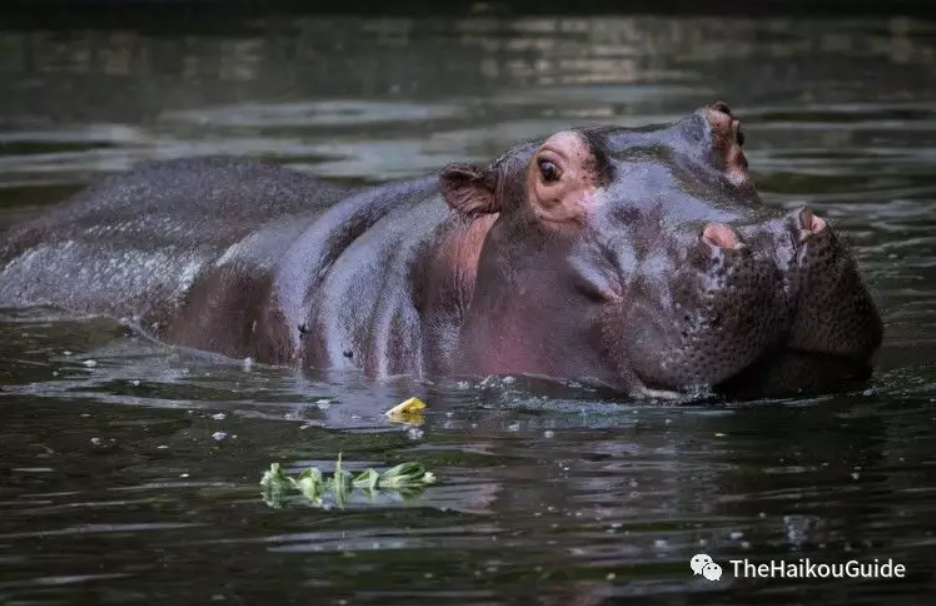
column 702, row 563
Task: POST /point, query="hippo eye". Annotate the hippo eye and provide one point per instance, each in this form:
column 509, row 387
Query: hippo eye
column 549, row 172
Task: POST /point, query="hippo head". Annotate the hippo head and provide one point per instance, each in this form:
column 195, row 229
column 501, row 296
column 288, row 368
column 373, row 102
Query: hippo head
column 645, row 259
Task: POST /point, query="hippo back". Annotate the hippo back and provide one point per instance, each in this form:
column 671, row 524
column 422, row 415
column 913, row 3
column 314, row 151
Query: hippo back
column 140, row 239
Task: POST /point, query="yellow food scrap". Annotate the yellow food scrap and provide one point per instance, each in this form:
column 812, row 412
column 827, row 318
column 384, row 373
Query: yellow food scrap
column 408, row 411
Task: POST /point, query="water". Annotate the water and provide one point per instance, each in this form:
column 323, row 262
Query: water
column 129, row 471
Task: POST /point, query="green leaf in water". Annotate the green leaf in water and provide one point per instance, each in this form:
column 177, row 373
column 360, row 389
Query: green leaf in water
column 274, row 483
column 406, row 476
column 366, row 480
column 407, row 479
column 311, row 484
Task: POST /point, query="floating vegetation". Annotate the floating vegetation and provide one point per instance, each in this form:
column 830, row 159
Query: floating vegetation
column 409, row 411
column 406, row 479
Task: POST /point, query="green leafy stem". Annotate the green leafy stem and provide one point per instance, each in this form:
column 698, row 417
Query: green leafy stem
column 407, row 479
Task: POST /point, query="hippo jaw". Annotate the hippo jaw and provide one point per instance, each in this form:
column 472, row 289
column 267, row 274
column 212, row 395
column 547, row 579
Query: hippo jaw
column 645, row 259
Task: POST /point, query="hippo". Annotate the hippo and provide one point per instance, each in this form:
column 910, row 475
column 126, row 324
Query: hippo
column 642, row 260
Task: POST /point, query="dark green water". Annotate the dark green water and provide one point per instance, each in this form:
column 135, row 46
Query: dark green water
column 129, row 472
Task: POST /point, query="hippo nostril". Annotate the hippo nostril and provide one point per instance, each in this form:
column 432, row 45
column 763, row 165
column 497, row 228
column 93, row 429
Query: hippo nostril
column 720, row 235
column 810, row 223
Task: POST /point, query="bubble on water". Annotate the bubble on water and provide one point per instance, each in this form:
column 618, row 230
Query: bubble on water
column 162, row 446
column 219, row 435
column 735, row 535
column 248, row 364
column 135, row 382
column 549, row 433
column 509, row 380
column 220, row 416
column 90, row 363
column 513, row 427
column 66, row 353
column 415, row 433
column 96, row 441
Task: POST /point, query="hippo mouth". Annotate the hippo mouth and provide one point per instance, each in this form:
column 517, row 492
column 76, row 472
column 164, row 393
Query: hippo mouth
column 784, row 371
column 791, row 370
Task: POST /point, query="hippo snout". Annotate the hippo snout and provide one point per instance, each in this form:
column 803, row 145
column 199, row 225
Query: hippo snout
column 745, row 293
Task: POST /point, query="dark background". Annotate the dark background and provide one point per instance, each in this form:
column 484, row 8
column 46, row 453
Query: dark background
column 59, row 10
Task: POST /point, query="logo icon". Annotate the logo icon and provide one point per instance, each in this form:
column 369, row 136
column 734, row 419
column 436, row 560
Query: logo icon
column 702, row 563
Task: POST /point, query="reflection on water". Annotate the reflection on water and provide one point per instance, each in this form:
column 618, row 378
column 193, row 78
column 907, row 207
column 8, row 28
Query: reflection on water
column 128, row 472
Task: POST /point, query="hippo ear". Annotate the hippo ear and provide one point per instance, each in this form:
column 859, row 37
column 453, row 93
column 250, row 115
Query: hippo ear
column 469, row 189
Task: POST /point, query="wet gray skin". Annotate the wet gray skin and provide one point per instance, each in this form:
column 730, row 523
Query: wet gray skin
column 674, row 275
column 640, row 259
